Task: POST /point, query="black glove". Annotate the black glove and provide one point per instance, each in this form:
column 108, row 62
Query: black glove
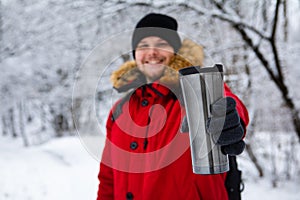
column 226, row 127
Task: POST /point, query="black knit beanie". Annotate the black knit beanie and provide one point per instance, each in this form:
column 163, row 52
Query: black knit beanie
column 159, row 25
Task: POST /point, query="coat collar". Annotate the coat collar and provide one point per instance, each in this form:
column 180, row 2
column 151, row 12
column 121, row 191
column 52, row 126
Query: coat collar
column 153, row 89
column 127, row 76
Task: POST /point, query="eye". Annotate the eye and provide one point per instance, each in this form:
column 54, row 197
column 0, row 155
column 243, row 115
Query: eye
column 162, row 45
column 142, row 46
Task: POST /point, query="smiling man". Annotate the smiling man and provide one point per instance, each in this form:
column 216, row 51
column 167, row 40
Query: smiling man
column 146, row 156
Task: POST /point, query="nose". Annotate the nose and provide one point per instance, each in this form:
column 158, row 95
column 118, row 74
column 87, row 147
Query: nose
column 152, row 51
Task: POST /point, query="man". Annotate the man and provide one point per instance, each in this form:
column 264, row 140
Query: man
column 146, row 156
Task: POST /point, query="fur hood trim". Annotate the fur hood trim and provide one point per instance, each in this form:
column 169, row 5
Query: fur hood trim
column 189, row 54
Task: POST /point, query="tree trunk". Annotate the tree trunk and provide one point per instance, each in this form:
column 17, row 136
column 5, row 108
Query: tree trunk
column 12, row 122
column 43, row 118
column 254, row 160
column 273, row 156
column 275, row 72
column 61, row 124
column 249, row 150
column 22, row 127
column 1, row 32
column 296, row 121
column 285, row 25
column 4, row 125
column 252, row 114
column 277, row 79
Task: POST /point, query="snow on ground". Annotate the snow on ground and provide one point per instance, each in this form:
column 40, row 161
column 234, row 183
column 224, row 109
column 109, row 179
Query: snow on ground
column 62, row 169
column 262, row 189
column 58, row 170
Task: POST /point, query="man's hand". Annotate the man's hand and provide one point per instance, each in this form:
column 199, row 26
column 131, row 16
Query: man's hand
column 226, row 127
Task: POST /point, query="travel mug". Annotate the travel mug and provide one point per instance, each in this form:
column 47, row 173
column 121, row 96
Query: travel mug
column 201, row 87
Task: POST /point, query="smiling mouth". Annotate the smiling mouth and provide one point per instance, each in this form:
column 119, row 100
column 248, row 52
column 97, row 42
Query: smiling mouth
column 154, row 62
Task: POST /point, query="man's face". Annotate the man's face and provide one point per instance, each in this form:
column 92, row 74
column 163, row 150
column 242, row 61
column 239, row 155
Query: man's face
column 152, row 56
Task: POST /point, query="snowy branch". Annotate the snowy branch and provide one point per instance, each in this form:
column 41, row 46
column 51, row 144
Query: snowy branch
column 236, row 20
column 273, row 42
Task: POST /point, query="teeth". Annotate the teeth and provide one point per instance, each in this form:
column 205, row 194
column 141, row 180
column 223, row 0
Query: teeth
column 154, row 61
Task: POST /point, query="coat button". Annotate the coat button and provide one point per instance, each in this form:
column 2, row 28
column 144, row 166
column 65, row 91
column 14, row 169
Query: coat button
column 145, row 102
column 129, row 196
column 133, row 145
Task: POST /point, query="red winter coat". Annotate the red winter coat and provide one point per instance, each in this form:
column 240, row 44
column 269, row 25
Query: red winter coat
column 146, row 157
column 162, row 168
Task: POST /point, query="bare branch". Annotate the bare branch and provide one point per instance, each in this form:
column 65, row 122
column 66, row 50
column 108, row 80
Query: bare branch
column 256, row 50
column 275, row 22
column 236, row 20
column 273, row 43
column 201, row 11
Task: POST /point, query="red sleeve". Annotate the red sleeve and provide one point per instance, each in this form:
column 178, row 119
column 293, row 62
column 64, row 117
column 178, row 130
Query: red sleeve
column 105, row 176
column 242, row 110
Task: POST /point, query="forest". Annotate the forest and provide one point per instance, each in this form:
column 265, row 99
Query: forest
column 56, row 58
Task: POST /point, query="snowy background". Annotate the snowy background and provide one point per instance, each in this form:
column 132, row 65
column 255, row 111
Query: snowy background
column 55, row 62
column 63, row 169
